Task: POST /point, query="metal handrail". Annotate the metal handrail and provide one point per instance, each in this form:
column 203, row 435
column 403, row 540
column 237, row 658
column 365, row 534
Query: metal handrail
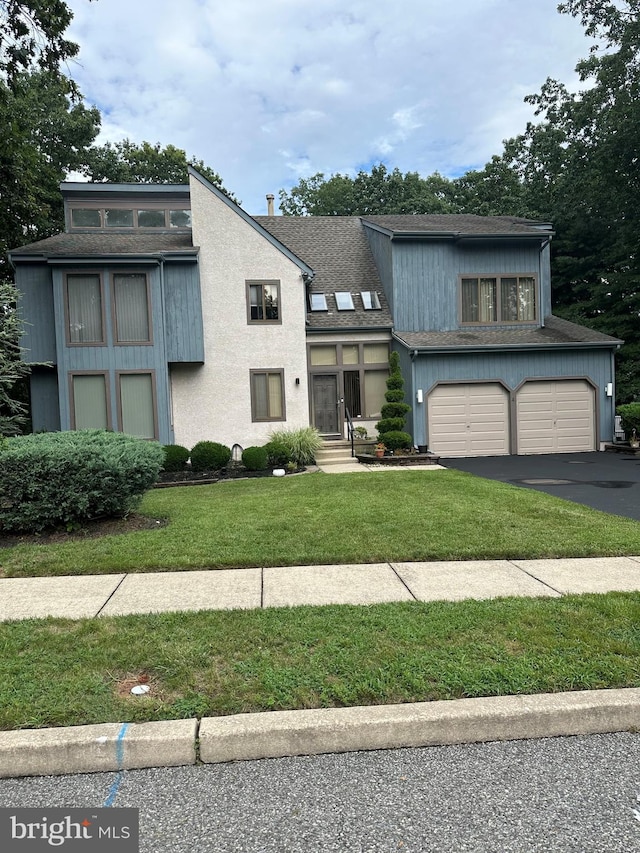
column 350, row 430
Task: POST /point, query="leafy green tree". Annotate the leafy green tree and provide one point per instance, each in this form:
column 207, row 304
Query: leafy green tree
column 375, row 192
column 13, row 370
column 32, row 34
column 123, row 162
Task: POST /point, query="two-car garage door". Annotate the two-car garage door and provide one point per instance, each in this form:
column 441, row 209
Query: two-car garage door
column 552, row 416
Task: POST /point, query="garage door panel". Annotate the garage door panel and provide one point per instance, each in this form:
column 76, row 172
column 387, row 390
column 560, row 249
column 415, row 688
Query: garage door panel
column 556, row 416
column 477, row 425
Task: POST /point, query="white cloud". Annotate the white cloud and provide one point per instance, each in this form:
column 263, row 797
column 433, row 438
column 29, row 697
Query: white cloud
column 267, row 92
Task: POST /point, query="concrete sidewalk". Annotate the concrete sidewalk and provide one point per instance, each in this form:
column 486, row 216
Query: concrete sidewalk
column 121, row 746
column 77, row 597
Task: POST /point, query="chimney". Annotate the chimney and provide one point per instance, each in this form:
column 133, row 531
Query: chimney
column 270, row 198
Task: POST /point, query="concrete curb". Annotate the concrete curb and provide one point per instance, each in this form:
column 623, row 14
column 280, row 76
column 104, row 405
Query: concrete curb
column 125, row 746
column 279, row 733
column 99, row 748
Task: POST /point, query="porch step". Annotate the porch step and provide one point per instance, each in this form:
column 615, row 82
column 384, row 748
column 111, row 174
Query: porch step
column 335, row 453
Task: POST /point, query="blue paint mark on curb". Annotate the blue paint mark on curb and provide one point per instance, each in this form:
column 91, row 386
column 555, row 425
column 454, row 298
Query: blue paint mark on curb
column 113, row 791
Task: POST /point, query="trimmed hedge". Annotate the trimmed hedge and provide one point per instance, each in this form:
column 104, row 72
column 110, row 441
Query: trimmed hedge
column 209, row 456
column 397, row 440
column 175, row 457
column 255, row 458
column 278, row 455
column 65, row 478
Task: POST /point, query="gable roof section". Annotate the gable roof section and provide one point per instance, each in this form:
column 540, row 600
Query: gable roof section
column 103, row 244
column 337, row 249
column 252, row 221
column 556, row 332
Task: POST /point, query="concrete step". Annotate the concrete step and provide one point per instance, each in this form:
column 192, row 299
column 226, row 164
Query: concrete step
column 334, row 453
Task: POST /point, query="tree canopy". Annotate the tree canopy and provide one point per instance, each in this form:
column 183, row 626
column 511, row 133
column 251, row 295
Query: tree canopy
column 123, row 162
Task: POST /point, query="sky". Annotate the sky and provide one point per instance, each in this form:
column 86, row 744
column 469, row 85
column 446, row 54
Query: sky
column 266, row 92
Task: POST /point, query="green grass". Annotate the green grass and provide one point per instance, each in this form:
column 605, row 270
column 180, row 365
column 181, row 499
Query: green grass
column 59, row 672
column 317, row 519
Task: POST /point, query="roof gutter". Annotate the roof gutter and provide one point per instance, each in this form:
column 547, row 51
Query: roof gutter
column 482, row 348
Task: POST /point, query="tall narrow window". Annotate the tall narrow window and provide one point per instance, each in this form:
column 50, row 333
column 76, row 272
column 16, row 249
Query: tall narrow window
column 267, row 395
column 131, row 300
column 84, row 309
column 263, row 302
column 89, row 401
column 137, row 406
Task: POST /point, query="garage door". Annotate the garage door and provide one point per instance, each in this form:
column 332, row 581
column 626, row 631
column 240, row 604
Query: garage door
column 556, row 417
column 469, row 420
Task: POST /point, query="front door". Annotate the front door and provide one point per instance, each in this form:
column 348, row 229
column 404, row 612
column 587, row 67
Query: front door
column 325, row 403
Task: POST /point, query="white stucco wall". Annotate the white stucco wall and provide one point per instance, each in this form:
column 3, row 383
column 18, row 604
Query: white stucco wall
column 212, row 402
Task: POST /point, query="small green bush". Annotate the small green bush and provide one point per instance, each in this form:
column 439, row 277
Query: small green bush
column 175, row 457
column 630, row 414
column 65, row 478
column 255, row 458
column 389, row 425
column 277, row 454
column 209, row 456
column 301, row 444
column 397, row 440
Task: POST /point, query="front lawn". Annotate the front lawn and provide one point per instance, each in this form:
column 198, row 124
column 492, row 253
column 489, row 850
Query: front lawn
column 59, row 672
column 348, row 518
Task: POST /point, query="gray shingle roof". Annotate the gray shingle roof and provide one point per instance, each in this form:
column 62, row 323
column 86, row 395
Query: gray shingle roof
column 461, row 224
column 555, row 331
column 105, row 243
column 337, row 249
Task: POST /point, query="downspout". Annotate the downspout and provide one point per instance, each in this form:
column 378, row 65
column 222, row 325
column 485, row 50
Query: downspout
column 414, row 407
column 165, row 363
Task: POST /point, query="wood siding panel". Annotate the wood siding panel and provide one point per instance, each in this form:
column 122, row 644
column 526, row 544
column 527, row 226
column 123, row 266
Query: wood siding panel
column 381, row 250
column 45, row 404
column 36, row 305
column 183, row 313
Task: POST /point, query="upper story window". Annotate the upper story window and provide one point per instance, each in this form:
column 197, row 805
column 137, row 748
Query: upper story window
column 370, row 300
column 83, row 309
column 129, row 217
column 131, row 308
column 263, row 302
column 344, row 301
column 498, row 299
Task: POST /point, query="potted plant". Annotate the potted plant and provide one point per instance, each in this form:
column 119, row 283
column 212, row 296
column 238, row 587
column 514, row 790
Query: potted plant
column 360, row 433
column 380, row 449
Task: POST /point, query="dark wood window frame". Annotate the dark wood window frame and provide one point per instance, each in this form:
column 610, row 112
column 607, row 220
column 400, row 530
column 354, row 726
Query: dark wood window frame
column 114, row 316
column 154, row 397
column 498, row 277
column 262, row 283
column 67, row 329
column 72, row 403
column 267, row 372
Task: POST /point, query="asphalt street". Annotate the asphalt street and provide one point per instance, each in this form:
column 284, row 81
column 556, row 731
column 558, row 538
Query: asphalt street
column 577, row 794
column 606, row 481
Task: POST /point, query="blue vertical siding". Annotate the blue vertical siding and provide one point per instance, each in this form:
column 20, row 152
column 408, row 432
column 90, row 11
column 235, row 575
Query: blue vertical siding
column 426, row 275
column 183, row 313
column 45, row 402
column 381, row 250
column 36, row 308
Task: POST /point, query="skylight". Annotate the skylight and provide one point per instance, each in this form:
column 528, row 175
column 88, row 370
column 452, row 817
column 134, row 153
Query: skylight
column 318, row 302
column 370, row 300
column 344, row 301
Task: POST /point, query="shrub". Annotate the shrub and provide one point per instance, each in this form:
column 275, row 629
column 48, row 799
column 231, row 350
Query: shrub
column 65, row 478
column 630, row 414
column 301, row 444
column 278, row 455
column 175, row 457
column 209, row 456
column 397, row 440
column 255, row 458
column 394, row 412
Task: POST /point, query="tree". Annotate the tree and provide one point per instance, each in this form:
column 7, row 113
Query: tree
column 395, row 410
column 32, row 34
column 374, row 192
column 13, row 407
column 123, row 162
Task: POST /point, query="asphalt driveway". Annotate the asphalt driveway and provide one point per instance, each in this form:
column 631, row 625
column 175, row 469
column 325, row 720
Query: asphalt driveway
column 606, row 481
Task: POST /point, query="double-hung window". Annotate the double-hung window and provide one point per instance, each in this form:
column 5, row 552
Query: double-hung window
column 267, row 395
column 263, row 302
column 131, row 308
column 498, row 299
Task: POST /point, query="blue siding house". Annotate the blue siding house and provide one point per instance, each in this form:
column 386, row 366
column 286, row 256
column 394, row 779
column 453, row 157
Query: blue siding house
column 289, row 321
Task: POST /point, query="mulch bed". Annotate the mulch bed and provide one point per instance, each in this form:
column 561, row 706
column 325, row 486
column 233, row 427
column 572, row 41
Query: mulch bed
column 88, row 530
